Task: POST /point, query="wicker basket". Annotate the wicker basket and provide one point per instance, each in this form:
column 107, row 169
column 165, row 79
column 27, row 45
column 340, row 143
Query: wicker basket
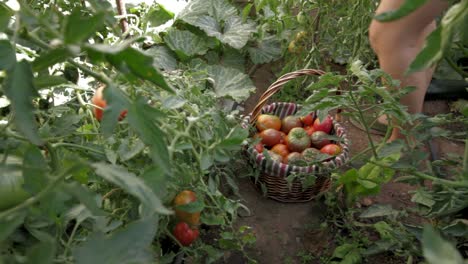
column 273, row 174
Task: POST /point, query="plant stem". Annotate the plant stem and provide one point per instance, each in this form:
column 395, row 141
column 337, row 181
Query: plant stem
column 361, row 117
column 465, row 160
column 64, row 144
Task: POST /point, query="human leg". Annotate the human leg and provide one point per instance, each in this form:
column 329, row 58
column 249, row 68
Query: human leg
column 397, row 43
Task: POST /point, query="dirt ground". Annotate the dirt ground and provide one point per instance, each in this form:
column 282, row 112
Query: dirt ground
column 287, row 232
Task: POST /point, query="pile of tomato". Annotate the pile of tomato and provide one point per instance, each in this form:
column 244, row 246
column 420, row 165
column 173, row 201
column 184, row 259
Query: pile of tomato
column 295, row 140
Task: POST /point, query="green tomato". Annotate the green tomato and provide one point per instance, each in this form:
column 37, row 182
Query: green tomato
column 11, row 191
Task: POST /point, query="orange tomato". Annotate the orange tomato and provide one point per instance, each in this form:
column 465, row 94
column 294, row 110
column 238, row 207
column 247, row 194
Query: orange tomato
column 186, row 197
column 266, row 121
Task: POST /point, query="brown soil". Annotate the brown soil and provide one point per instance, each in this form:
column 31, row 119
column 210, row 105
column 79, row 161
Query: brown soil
column 290, row 233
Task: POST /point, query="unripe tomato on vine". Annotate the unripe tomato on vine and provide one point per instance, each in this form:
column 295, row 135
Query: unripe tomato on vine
column 98, row 100
column 183, row 198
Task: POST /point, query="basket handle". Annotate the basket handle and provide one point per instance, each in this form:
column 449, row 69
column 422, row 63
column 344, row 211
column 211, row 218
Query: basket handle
column 277, row 85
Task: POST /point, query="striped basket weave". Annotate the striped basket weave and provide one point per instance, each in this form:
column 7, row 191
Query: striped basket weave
column 273, row 174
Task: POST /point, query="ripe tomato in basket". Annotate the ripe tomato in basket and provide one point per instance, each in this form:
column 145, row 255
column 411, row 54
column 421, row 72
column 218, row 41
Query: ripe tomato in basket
column 319, row 139
column 281, row 149
column 271, row 137
column 325, row 126
column 331, row 149
column 289, row 123
column 266, row 121
column 297, row 139
column 307, row 120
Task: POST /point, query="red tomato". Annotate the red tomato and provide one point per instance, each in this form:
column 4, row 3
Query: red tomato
column 270, row 137
column 331, row 149
column 297, row 139
column 309, row 130
column 319, row 139
column 281, row 149
column 266, row 121
column 308, row 120
column 186, row 197
column 289, row 123
column 98, row 100
column 283, row 137
column 185, row 234
column 325, row 126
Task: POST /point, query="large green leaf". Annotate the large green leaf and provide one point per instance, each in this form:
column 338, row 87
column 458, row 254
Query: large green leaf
column 42, row 252
column 158, row 15
column 20, row 90
column 34, row 169
column 219, row 19
column 79, row 27
column 163, row 58
column 130, row 245
column 133, row 185
column 267, row 50
column 7, row 55
column 438, row 251
column 221, row 10
column 185, row 44
column 9, row 224
column 231, row 83
column 405, row 9
column 234, row 32
column 140, row 118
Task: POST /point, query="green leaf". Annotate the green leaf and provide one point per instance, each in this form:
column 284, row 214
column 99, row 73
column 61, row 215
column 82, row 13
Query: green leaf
column 128, row 150
column 129, row 245
column 163, row 58
column 79, row 27
column 422, row 197
column 140, row 118
column 34, row 169
column 158, row 15
column 133, row 61
column 430, row 54
column 42, row 252
column 231, row 83
column 85, row 196
column 342, row 250
column 212, row 219
column 234, row 139
column 193, row 207
column 438, row 251
column 9, row 224
column 235, row 33
column 350, row 176
column 50, row 58
column 132, row 185
column 7, row 55
column 185, row 44
column 367, row 184
column 5, row 15
column 378, row 210
column 156, row 180
column 405, row 9
column 267, row 50
column 47, row 81
column 20, row 91
column 457, row 228
column 394, row 147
